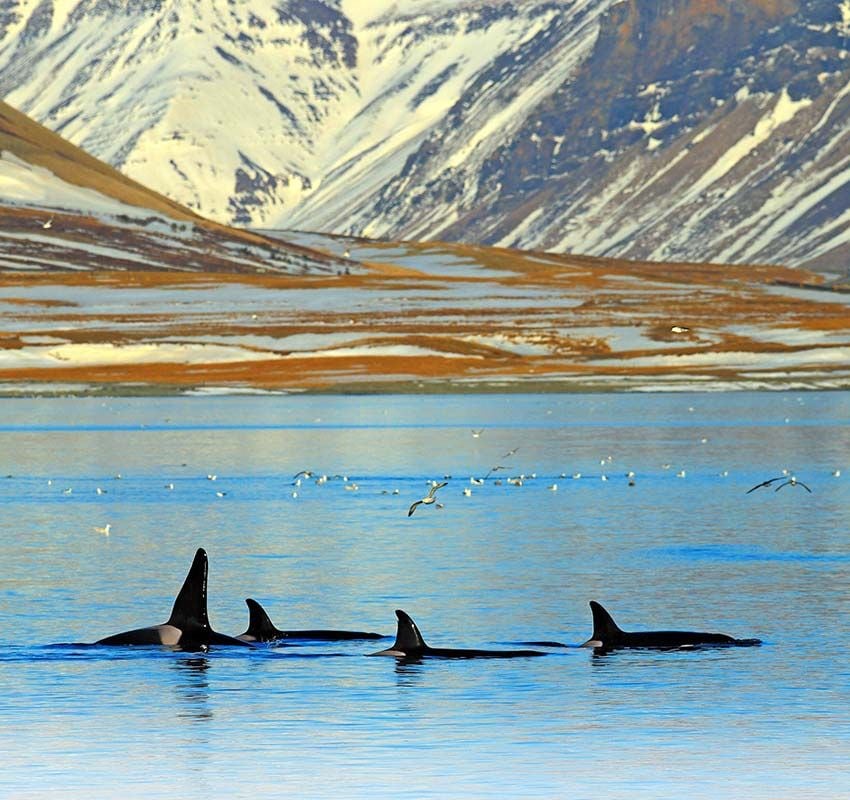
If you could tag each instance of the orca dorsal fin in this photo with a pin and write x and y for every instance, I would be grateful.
(605, 630)
(259, 624)
(190, 606)
(408, 639)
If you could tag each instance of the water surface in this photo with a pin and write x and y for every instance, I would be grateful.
(507, 564)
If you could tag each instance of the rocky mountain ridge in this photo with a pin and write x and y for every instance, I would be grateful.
(664, 130)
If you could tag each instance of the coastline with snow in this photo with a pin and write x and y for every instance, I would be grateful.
(424, 318)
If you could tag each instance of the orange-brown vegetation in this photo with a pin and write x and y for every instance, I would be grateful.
(534, 319)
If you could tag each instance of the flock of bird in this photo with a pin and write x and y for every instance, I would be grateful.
(778, 482)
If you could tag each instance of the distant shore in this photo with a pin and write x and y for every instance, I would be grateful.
(425, 319)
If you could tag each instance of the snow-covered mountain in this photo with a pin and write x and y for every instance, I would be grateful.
(657, 129)
(62, 209)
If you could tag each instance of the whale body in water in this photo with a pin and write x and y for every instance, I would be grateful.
(607, 635)
(409, 644)
(188, 627)
(262, 629)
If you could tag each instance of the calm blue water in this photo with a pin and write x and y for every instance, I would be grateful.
(506, 564)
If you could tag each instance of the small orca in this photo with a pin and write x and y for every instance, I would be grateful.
(410, 645)
(608, 636)
(262, 629)
(188, 627)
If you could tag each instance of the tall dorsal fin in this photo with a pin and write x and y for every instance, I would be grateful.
(408, 639)
(604, 628)
(259, 624)
(190, 606)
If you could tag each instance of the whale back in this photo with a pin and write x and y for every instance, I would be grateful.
(260, 626)
(605, 630)
(190, 606)
(408, 638)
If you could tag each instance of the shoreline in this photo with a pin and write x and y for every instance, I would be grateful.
(425, 319)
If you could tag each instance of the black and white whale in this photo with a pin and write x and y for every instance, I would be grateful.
(188, 627)
(608, 636)
(410, 645)
(262, 629)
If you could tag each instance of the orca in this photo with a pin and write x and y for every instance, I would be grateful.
(262, 629)
(410, 645)
(608, 636)
(188, 627)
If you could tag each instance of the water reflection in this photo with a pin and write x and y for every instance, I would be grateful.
(408, 671)
(193, 689)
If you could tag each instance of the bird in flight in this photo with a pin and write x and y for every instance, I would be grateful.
(787, 481)
(792, 481)
(428, 499)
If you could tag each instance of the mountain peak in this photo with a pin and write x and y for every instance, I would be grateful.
(540, 123)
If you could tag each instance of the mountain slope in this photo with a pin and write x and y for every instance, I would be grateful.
(670, 129)
(62, 209)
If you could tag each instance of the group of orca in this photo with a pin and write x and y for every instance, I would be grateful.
(188, 628)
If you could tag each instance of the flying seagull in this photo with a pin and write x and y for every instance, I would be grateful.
(428, 499)
(792, 480)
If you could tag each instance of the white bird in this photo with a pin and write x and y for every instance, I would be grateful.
(467, 492)
(680, 474)
(351, 487)
(476, 434)
(169, 486)
(100, 491)
(553, 487)
(104, 530)
(836, 473)
(221, 494)
(47, 224)
(212, 477)
(429, 498)
(476, 481)
(679, 329)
